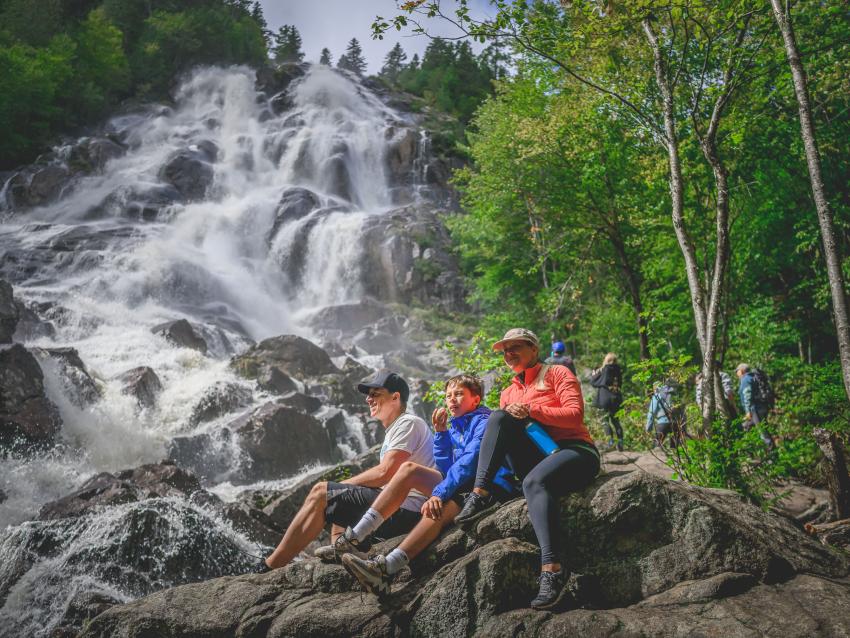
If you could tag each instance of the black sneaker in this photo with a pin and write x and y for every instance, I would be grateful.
(474, 507)
(261, 567)
(551, 590)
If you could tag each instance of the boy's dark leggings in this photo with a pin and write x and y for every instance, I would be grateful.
(545, 478)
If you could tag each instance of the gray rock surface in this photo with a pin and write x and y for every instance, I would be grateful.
(77, 383)
(182, 334)
(9, 313)
(28, 419)
(218, 400)
(190, 170)
(143, 384)
(650, 557)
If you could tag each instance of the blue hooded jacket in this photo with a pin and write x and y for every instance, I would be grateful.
(456, 454)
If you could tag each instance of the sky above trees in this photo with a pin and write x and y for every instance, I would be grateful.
(332, 23)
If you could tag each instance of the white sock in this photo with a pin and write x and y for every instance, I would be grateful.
(371, 521)
(396, 560)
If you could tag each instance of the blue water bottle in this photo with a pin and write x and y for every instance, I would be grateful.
(541, 438)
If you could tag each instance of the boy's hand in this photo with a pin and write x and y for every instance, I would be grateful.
(433, 508)
(439, 419)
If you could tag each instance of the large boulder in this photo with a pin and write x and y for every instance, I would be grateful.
(292, 355)
(156, 480)
(142, 383)
(280, 440)
(9, 313)
(651, 557)
(28, 419)
(90, 154)
(218, 400)
(190, 170)
(401, 153)
(295, 203)
(181, 334)
(77, 383)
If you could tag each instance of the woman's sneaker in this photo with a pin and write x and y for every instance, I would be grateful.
(551, 590)
(474, 507)
(370, 573)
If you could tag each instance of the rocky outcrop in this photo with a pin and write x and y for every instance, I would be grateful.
(181, 334)
(190, 170)
(77, 383)
(218, 400)
(143, 384)
(280, 440)
(9, 313)
(650, 557)
(295, 203)
(28, 419)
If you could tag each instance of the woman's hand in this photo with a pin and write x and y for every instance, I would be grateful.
(433, 508)
(518, 410)
(439, 418)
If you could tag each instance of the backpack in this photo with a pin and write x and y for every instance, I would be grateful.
(763, 394)
(668, 404)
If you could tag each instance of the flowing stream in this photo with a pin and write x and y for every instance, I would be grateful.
(273, 237)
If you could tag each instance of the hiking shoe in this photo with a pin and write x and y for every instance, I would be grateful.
(344, 544)
(370, 573)
(620, 445)
(551, 590)
(261, 567)
(474, 507)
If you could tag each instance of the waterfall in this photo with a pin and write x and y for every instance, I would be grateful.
(226, 209)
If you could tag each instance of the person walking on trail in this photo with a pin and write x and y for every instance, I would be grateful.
(545, 400)
(725, 384)
(608, 381)
(756, 400)
(559, 357)
(408, 441)
(459, 429)
(664, 416)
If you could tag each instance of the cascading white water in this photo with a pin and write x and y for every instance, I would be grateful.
(226, 261)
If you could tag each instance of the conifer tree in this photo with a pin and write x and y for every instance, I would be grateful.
(352, 59)
(325, 57)
(260, 19)
(287, 45)
(393, 64)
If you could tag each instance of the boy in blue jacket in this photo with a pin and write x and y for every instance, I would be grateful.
(457, 441)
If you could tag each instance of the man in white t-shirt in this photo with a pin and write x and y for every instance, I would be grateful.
(408, 441)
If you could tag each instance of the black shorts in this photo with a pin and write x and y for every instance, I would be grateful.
(348, 503)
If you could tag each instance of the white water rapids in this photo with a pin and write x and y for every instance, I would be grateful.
(223, 262)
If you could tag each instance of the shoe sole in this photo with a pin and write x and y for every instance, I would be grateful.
(547, 606)
(381, 589)
(467, 523)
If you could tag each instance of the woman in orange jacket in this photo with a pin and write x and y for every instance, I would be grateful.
(555, 402)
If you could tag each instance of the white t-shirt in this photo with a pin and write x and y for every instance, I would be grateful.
(411, 434)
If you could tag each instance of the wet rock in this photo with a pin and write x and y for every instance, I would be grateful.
(294, 204)
(190, 171)
(91, 154)
(147, 204)
(77, 383)
(349, 317)
(219, 400)
(276, 381)
(715, 551)
(9, 313)
(28, 419)
(292, 355)
(302, 402)
(212, 457)
(81, 608)
(256, 525)
(143, 384)
(3, 496)
(277, 79)
(181, 334)
(30, 324)
(400, 155)
(280, 440)
(156, 480)
(46, 184)
(337, 178)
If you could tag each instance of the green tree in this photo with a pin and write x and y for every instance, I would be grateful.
(287, 45)
(353, 60)
(325, 57)
(102, 71)
(393, 64)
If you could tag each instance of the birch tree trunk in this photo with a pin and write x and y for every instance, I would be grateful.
(827, 229)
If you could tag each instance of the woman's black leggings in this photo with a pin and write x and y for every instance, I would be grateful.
(612, 420)
(545, 478)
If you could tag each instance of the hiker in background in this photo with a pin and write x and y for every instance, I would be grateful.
(664, 415)
(608, 381)
(725, 383)
(560, 358)
(757, 399)
(542, 408)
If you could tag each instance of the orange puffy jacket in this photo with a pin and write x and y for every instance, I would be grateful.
(557, 403)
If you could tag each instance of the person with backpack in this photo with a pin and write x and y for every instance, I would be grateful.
(608, 381)
(560, 358)
(757, 399)
(664, 416)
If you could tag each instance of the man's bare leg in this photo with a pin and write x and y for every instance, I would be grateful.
(410, 476)
(427, 530)
(304, 528)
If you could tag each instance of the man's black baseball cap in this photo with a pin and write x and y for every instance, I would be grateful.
(387, 380)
